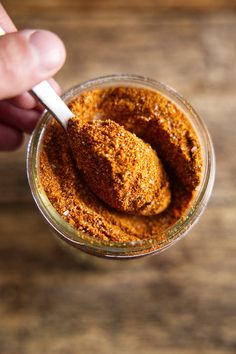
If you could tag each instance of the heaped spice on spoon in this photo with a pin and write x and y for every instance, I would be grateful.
(100, 198)
(119, 167)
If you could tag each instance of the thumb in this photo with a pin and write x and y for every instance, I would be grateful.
(26, 58)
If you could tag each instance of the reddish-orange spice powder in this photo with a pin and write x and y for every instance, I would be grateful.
(152, 118)
(119, 167)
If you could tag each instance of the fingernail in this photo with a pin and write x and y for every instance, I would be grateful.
(47, 47)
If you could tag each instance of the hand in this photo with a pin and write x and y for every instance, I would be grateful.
(26, 58)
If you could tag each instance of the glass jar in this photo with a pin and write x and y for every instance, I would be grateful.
(83, 242)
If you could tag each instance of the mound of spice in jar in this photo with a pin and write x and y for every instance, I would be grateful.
(139, 164)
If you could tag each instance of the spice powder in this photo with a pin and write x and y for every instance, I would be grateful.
(119, 167)
(149, 116)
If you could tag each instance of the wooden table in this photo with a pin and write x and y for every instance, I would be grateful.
(182, 301)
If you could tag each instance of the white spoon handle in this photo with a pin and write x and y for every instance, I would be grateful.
(49, 98)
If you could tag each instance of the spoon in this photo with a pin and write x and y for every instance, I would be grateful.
(50, 99)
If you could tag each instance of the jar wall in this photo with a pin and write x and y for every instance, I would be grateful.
(133, 249)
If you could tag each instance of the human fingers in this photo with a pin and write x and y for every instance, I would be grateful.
(10, 138)
(18, 118)
(27, 101)
(28, 57)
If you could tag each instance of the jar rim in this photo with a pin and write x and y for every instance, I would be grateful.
(134, 248)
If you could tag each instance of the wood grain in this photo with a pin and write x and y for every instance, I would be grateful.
(182, 301)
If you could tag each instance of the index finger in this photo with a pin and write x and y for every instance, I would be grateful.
(5, 21)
